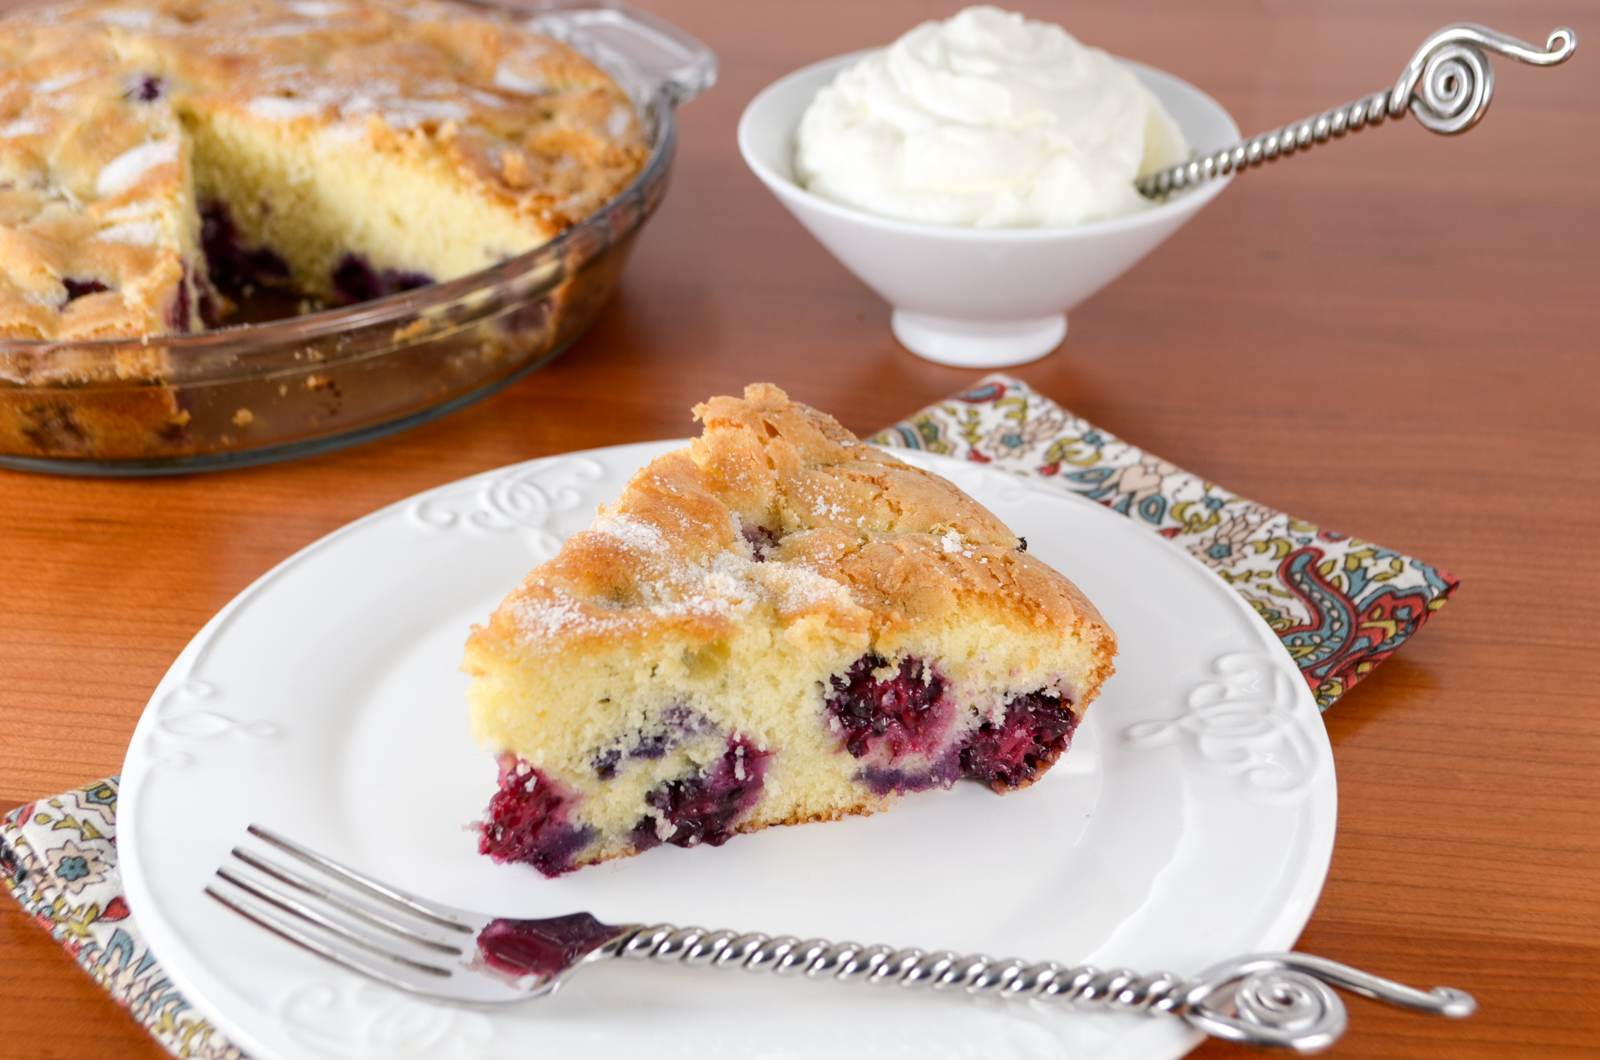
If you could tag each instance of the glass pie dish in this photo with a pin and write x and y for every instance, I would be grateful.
(258, 392)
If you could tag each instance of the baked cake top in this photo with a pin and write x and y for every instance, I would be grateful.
(95, 97)
(778, 506)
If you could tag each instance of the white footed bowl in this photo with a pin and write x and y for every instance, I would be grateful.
(975, 297)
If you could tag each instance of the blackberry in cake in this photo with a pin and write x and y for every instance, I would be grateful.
(154, 150)
(776, 624)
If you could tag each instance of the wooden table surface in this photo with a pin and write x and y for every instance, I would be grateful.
(1394, 336)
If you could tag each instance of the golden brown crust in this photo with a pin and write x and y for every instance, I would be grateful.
(866, 541)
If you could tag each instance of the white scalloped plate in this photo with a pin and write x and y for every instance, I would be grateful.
(1191, 821)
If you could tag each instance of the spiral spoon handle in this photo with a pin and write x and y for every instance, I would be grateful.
(1448, 85)
(1275, 999)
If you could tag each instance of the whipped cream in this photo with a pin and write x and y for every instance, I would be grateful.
(988, 120)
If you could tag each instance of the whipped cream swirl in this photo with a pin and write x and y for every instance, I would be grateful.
(986, 120)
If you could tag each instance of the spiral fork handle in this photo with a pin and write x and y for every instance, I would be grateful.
(1447, 85)
(1281, 999)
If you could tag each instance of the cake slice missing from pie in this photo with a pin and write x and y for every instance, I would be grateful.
(776, 624)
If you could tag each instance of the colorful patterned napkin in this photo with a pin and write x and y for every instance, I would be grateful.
(1340, 606)
(59, 858)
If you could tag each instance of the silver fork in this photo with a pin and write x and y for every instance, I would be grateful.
(439, 951)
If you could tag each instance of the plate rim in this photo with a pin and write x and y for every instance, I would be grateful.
(1279, 935)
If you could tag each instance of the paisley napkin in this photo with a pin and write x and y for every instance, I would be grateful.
(1340, 605)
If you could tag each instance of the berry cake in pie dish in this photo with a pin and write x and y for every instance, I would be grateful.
(154, 150)
(774, 625)
(165, 162)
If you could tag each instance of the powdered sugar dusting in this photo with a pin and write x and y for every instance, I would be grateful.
(562, 615)
(618, 122)
(282, 108)
(344, 132)
(406, 113)
(552, 616)
(952, 543)
(128, 19)
(523, 84)
(726, 587)
(132, 211)
(132, 233)
(56, 84)
(128, 168)
(634, 533)
(797, 588)
(21, 127)
(824, 507)
(314, 8)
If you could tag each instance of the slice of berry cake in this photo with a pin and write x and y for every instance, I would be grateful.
(773, 625)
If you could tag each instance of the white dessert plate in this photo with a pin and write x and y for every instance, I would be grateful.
(1191, 821)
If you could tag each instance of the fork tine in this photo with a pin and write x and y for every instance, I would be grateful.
(350, 959)
(301, 911)
(440, 915)
(366, 915)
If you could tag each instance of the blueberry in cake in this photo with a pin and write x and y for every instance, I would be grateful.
(153, 152)
(776, 624)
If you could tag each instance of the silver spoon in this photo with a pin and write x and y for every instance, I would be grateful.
(1447, 84)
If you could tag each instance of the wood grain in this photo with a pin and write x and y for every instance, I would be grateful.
(1394, 336)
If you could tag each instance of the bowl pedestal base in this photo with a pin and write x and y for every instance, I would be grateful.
(978, 343)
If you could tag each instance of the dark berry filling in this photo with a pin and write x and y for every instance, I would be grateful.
(234, 266)
(52, 428)
(530, 316)
(889, 780)
(678, 724)
(76, 289)
(705, 806)
(180, 312)
(605, 763)
(902, 712)
(528, 821)
(145, 89)
(1034, 732)
(209, 306)
(761, 540)
(541, 947)
(356, 279)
